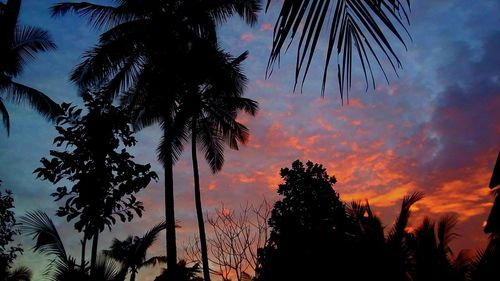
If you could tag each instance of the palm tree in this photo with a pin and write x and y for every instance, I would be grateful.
(212, 112)
(399, 254)
(358, 28)
(64, 267)
(131, 252)
(18, 46)
(144, 51)
(433, 257)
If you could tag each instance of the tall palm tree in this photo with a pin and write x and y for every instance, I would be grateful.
(144, 51)
(131, 252)
(18, 46)
(361, 28)
(212, 115)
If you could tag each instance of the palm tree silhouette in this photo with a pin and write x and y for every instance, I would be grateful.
(433, 257)
(398, 252)
(358, 28)
(64, 267)
(144, 52)
(131, 252)
(212, 112)
(18, 46)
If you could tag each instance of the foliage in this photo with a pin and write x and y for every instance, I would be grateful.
(309, 236)
(63, 267)
(148, 52)
(359, 28)
(182, 272)
(8, 229)
(18, 46)
(131, 252)
(104, 179)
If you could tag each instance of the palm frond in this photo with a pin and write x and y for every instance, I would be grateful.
(358, 28)
(150, 237)
(30, 41)
(40, 226)
(398, 230)
(5, 116)
(105, 269)
(18, 93)
(19, 274)
(154, 261)
(172, 142)
(212, 144)
(445, 232)
(98, 16)
(102, 62)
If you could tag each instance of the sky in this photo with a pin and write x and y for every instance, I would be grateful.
(435, 128)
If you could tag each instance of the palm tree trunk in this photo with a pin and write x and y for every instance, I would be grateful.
(169, 206)
(199, 211)
(93, 256)
(84, 245)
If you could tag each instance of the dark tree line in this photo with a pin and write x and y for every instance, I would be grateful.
(316, 236)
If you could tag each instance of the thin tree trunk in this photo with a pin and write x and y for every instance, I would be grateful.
(199, 211)
(84, 245)
(93, 257)
(169, 206)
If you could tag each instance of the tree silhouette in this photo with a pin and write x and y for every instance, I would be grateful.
(485, 265)
(433, 257)
(399, 254)
(131, 252)
(18, 46)
(64, 267)
(182, 272)
(8, 229)
(359, 28)
(309, 228)
(235, 237)
(145, 51)
(212, 113)
(105, 179)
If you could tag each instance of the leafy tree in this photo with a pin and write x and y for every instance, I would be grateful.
(309, 237)
(359, 28)
(18, 46)
(131, 252)
(104, 178)
(146, 50)
(64, 267)
(8, 229)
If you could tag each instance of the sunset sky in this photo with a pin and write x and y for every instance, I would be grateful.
(435, 128)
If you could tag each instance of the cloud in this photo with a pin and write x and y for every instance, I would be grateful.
(266, 26)
(247, 37)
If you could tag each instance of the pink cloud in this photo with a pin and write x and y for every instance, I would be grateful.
(247, 37)
(266, 26)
